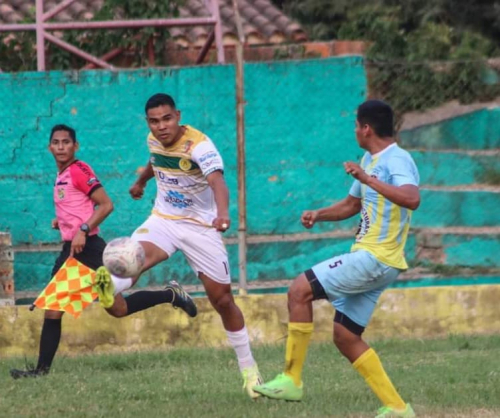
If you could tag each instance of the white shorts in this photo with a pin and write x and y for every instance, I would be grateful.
(202, 245)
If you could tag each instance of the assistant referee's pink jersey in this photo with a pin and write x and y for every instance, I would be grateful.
(72, 191)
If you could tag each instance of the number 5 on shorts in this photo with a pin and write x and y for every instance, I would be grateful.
(336, 264)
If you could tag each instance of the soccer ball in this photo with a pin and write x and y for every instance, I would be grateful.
(124, 257)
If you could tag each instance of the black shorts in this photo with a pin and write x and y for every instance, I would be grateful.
(91, 255)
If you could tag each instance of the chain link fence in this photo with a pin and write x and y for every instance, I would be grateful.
(448, 117)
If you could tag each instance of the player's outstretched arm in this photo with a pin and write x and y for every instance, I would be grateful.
(137, 189)
(104, 206)
(339, 211)
(406, 196)
(221, 195)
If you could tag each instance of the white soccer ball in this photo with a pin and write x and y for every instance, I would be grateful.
(124, 257)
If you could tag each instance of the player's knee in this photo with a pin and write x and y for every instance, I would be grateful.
(299, 291)
(344, 339)
(224, 302)
(295, 296)
(53, 314)
(341, 342)
(117, 313)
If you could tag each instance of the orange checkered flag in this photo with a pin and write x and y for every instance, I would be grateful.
(70, 290)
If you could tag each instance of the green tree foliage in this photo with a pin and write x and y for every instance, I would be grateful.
(321, 18)
(380, 26)
(421, 53)
(18, 52)
(324, 18)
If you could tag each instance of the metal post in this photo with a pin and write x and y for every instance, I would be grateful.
(59, 8)
(151, 52)
(40, 39)
(240, 123)
(106, 57)
(218, 31)
(206, 47)
(78, 52)
(41, 26)
(137, 23)
(18, 27)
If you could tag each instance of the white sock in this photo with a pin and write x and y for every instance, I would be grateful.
(121, 284)
(241, 344)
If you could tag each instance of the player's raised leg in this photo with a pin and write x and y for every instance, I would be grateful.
(221, 298)
(110, 287)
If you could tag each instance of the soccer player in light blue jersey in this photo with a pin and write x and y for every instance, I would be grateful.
(384, 192)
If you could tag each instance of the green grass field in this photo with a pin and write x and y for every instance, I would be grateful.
(453, 377)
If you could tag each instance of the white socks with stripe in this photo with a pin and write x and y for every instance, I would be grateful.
(241, 343)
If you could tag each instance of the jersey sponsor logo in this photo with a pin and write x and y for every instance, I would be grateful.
(208, 155)
(184, 164)
(91, 181)
(375, 172)
(61, 193)
(168, 180)
(207, 164)
(364, 225)
(142, 231)
(152, 160)
(178, 200)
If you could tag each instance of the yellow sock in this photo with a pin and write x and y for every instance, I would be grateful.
(299, 334)
(370, 367)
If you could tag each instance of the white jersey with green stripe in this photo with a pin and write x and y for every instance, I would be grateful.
(181, 172)
(384, 226)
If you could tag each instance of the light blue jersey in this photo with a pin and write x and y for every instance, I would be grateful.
(384, 226)
(353, 282)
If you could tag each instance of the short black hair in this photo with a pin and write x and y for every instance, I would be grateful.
(378, 115)
(65, 128)
(159, 99)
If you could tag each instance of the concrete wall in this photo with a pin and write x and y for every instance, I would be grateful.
(424, 312)
(477, 130)
(300, 119)
(299, 130)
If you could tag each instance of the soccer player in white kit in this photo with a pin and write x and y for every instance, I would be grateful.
(189, 214)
